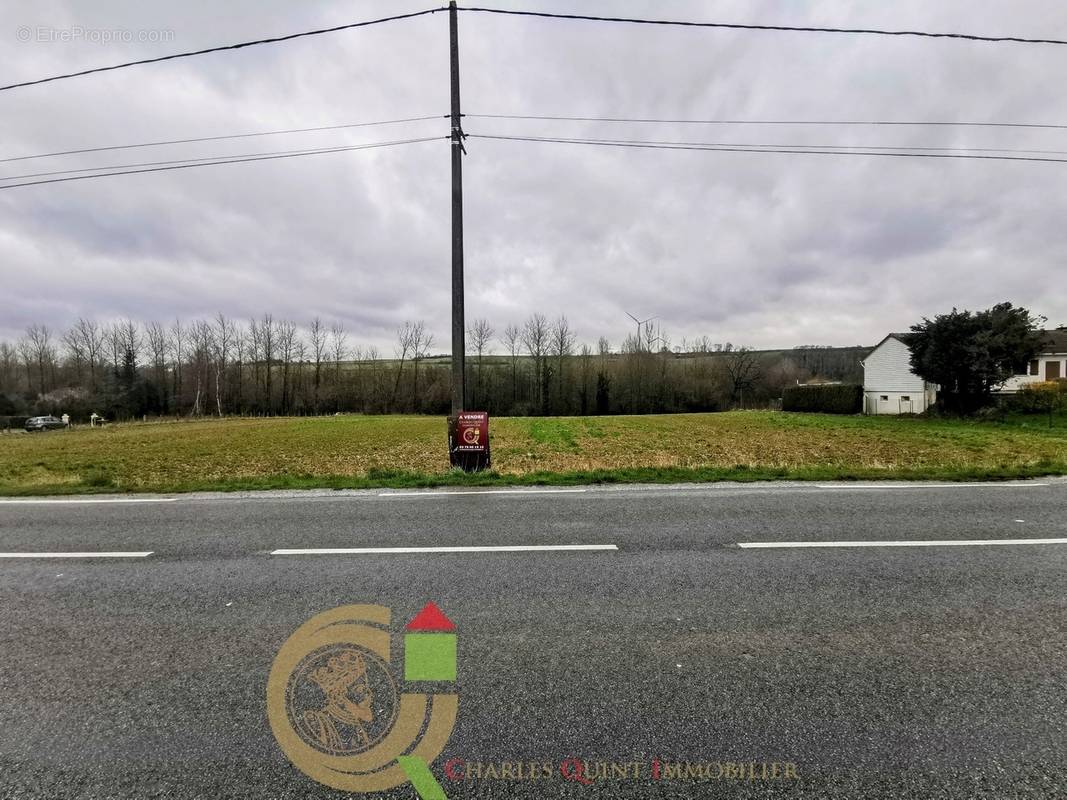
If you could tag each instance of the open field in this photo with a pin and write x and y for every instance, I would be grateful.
(355, 451)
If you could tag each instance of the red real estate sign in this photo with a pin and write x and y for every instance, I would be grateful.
(472, 432)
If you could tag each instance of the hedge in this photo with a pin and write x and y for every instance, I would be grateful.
(840, 398)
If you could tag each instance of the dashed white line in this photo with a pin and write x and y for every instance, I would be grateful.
(510, 548)
(904, 543)
(84, 501)
(987, 484)
(111, 554)
(431, 493)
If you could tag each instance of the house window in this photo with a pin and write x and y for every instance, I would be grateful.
(906, 397)
(883, 397)
(1033, 367)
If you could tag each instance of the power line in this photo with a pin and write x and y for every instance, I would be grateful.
(237, 46)
(220, 138)
(301, 151)
(795, 150)
(557, 118)
(752, 27)
(857, 147)
(541, 14)
(238, 160)
(748, 147)
(668, 121)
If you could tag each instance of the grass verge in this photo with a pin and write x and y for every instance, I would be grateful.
(354, 452)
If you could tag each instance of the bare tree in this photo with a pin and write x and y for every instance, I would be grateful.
(157, 350)
(300, 354)
(318, 352)
(512, 340)
(286, 344)
(535, 340)
(240, 346)
(76, 352)
(562, 343)
(339, 349)
(421, 342)
(132, 342)
(255, 339)
(223, 341)
(178, 336)
(25, 355)
(586, 362)
(91, 341)
(9, 366)
(404, 339)
(267, 343)
(39, 339)
(379, 377)
(480, 335)
(743, 370)
(114, 342)
(202, 337)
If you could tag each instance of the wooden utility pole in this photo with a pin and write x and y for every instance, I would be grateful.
(468, 431)
(459, 375)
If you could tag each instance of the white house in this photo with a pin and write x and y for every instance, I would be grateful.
(889, 385)
(1048, 365)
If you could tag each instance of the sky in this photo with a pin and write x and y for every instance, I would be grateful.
(757, 249)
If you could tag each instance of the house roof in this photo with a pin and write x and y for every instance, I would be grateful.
(1055, 341)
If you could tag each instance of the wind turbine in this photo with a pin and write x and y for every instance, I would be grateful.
(639, 322)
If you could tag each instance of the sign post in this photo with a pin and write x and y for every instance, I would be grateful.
(468, 440)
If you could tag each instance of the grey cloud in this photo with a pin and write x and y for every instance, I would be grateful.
(761, 249)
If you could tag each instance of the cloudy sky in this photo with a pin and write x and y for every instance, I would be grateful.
(757, 249)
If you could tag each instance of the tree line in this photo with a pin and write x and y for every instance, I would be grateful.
(273, 366)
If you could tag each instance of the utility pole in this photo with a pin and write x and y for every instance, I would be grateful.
(459, 375)
(468, 431)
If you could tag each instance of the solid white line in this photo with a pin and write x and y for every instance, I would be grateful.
(989, 485)
(905, 543)
(114, 554)
(77, 501)
(511, 548)
(431, 493)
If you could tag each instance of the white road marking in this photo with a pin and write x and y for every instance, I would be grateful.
(904, 543)
(510, 548)
(431, 493)
(112, 554)
(85, 501)
(988, 484)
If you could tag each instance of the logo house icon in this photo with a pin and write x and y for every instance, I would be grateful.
(341, 716)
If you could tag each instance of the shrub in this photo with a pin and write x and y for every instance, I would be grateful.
(840, 398)
(1046, 397)
(98, 478)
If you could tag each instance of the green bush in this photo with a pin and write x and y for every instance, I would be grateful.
(840, 398)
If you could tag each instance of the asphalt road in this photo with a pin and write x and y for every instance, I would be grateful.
(879, 671)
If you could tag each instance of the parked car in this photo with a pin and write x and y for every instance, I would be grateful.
(43, 423)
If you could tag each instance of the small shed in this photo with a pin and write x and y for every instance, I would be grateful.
(889, 385)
